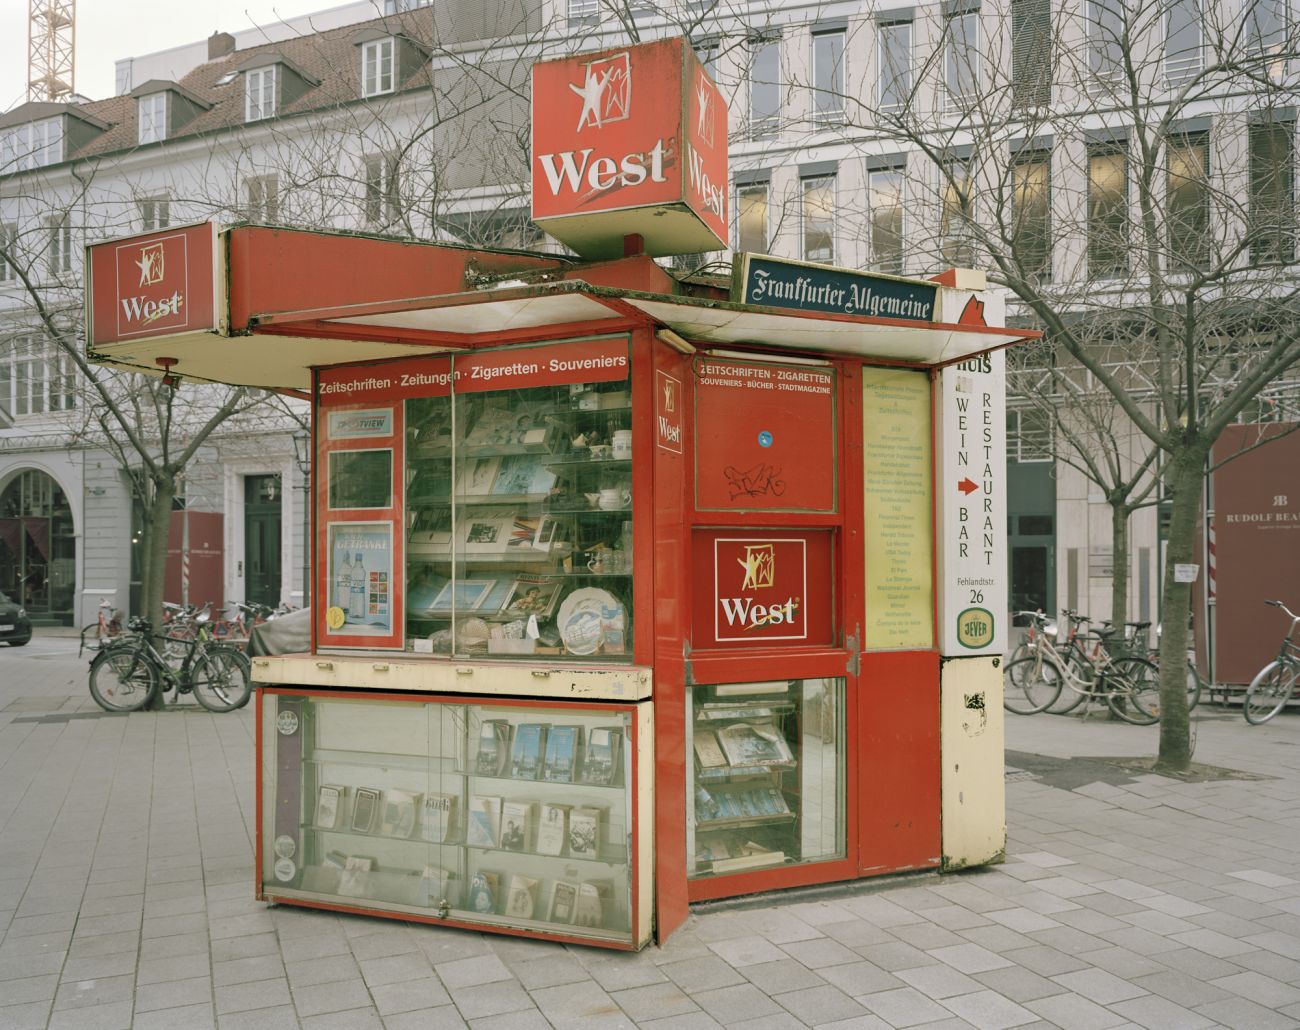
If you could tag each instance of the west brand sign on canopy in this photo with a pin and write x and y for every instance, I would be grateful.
(153, 285)
(791, 284)
(640, 131)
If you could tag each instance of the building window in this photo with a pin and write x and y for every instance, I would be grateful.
(263, 203)
(1182, 40)
(151, 116)
(58, 254)
(1108, 222)
(155, 213)
(706, 50)
(885, 197)
(752, 212)
(584, 12)
(259, 93)
(961, 56)
(1107, 40)
(377, 67)
(34, 377)
(895, 86)
(818, 211)
(828, 75)
(1031, 53)
(765, 87)
(956, 211)
(1272, 192)
(504, 227)
(1267, 25)
(1031, 214)
(1187, 200)
(1029, 435)
(33, 145)
(383, 204)
(8, 241)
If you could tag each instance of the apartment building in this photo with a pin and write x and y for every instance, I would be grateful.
(904, 139)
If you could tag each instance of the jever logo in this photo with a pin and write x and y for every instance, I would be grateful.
(975, 627)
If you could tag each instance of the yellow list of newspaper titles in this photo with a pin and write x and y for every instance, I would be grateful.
(898, 531)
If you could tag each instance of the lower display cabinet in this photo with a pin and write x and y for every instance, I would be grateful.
(526, 817)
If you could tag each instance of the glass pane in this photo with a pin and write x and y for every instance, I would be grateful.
(962, 57)
(361, 479)
(765, 86)
(885, 189)
(766, 787)
(895, 65)
(751, 235)
(819, 219)
(828, 74)
(1031, 213)
(1107, 213)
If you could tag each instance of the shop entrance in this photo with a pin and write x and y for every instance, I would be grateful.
(37, 547)
(262, 539)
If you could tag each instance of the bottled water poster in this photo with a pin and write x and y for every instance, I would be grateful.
(360, 579)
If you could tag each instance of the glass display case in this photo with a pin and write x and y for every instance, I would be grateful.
(516, 815)
(767, 784)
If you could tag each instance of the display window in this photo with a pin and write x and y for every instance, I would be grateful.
(514, 503)
(510, 815)
(766, 783)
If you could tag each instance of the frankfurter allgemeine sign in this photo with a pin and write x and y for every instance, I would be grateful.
(771, 282)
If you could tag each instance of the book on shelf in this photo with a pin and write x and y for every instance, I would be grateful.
(564, 902)
(483, 828)
(728, 712)
(400, 807)
(437, 886)
(600, 761)
(594, 897)
(526, 754)
(355, 881)
(521, 899)
(493, 747)
(748, 855)
(365, 809)
(483, 892)
(746, 689)
(552, 828)
(584, 833)
(516, 825)
(561, 753)
(328, 804)
(707, 750)
(754, 743)
(438, 817)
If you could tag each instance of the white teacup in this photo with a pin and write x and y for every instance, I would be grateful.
(614, 497)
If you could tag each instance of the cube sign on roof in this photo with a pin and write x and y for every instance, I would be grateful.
(630, 141)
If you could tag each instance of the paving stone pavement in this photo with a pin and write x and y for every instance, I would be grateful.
(1127, 900)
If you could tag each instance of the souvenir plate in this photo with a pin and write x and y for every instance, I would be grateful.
(589, 618)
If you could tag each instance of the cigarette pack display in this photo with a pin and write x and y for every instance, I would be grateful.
(600, 763)
(522, 897)
(365, 810)
(584, 833)
(484, 825)
(561, 753)
(526, 755)
(552, 829)
(400, 807)
(564, 902)
(493, 747)
(438, 818)
(328, 804)
(516, 825)
(355, 881)
(483, 891)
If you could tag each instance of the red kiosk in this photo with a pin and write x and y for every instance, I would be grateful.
(631, 589)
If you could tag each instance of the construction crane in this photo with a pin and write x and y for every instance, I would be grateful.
(51, 49)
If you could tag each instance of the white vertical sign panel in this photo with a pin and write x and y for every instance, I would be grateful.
(972, 498)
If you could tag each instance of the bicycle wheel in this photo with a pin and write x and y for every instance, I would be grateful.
(1070, 698)
(220, 679)
(1193, 685)
(1268, 692)
(1031, 684)
(1133, 686)
(122, 680)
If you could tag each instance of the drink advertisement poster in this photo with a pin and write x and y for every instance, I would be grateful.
(360, 601)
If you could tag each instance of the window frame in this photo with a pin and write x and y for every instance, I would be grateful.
(1105, 54)
(263, 203)
(155, 212)
(1283, 241)
(971, 54)
(807, 184)
(1094, 241)
(753, 187)
(1179, 69)
(1180, 244)
(372, 67)
(58, 253)
(768, 123)
(956, 248)
(828, 104)
(1025, 159)
(874, 259)
(151, 125)
(1031, 62)
(382, 184)
(904, 81)
(9, 239)
(260, 82)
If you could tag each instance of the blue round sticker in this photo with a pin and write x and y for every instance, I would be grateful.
(765, 439)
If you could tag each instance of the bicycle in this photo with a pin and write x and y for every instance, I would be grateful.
(107, 627)
(1274, 684)
(1129, 685)
(125, 676)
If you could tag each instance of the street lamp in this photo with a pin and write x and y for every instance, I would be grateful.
(302, 455)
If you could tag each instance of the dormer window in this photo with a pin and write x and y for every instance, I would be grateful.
(33, 145)
(151, 116)
(377, 67)
(259, 93)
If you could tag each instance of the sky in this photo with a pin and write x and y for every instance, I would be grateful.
(108, 30)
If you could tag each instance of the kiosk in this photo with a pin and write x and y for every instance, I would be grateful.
(631, 588)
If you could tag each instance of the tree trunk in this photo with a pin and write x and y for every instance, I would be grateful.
(1185, 480)
(1119, 518)
(157, 529)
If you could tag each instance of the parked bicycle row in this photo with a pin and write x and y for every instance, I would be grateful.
(1059, 666)
(183, 622)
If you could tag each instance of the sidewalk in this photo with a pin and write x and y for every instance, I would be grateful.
(1127, 900)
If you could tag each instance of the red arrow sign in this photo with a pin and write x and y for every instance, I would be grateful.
(967, 487)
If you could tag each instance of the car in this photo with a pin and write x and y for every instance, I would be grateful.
(15, 626)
